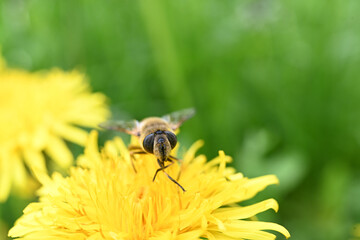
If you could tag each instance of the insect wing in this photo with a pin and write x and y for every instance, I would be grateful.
(129, 127)
(175, 119)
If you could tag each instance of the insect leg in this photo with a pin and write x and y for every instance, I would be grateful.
(162, 167)
(132, 153)
(179, 160)
(135, 147)
(174, 181)
(173, 158)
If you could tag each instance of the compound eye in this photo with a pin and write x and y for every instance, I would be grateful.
(172, 138)
(148, 143)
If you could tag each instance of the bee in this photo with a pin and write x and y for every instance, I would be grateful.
(156, 136)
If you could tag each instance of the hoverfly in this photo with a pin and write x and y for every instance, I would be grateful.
(156, 136)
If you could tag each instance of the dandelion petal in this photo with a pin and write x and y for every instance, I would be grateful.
(58, 151)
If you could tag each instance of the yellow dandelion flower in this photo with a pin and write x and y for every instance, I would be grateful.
(37, 112)
(356, 231)
(103, 198)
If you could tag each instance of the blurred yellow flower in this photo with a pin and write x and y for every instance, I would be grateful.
(356, 231)
(103, 198)
(37, 112)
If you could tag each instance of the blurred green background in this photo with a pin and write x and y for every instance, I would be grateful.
(276, 85)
